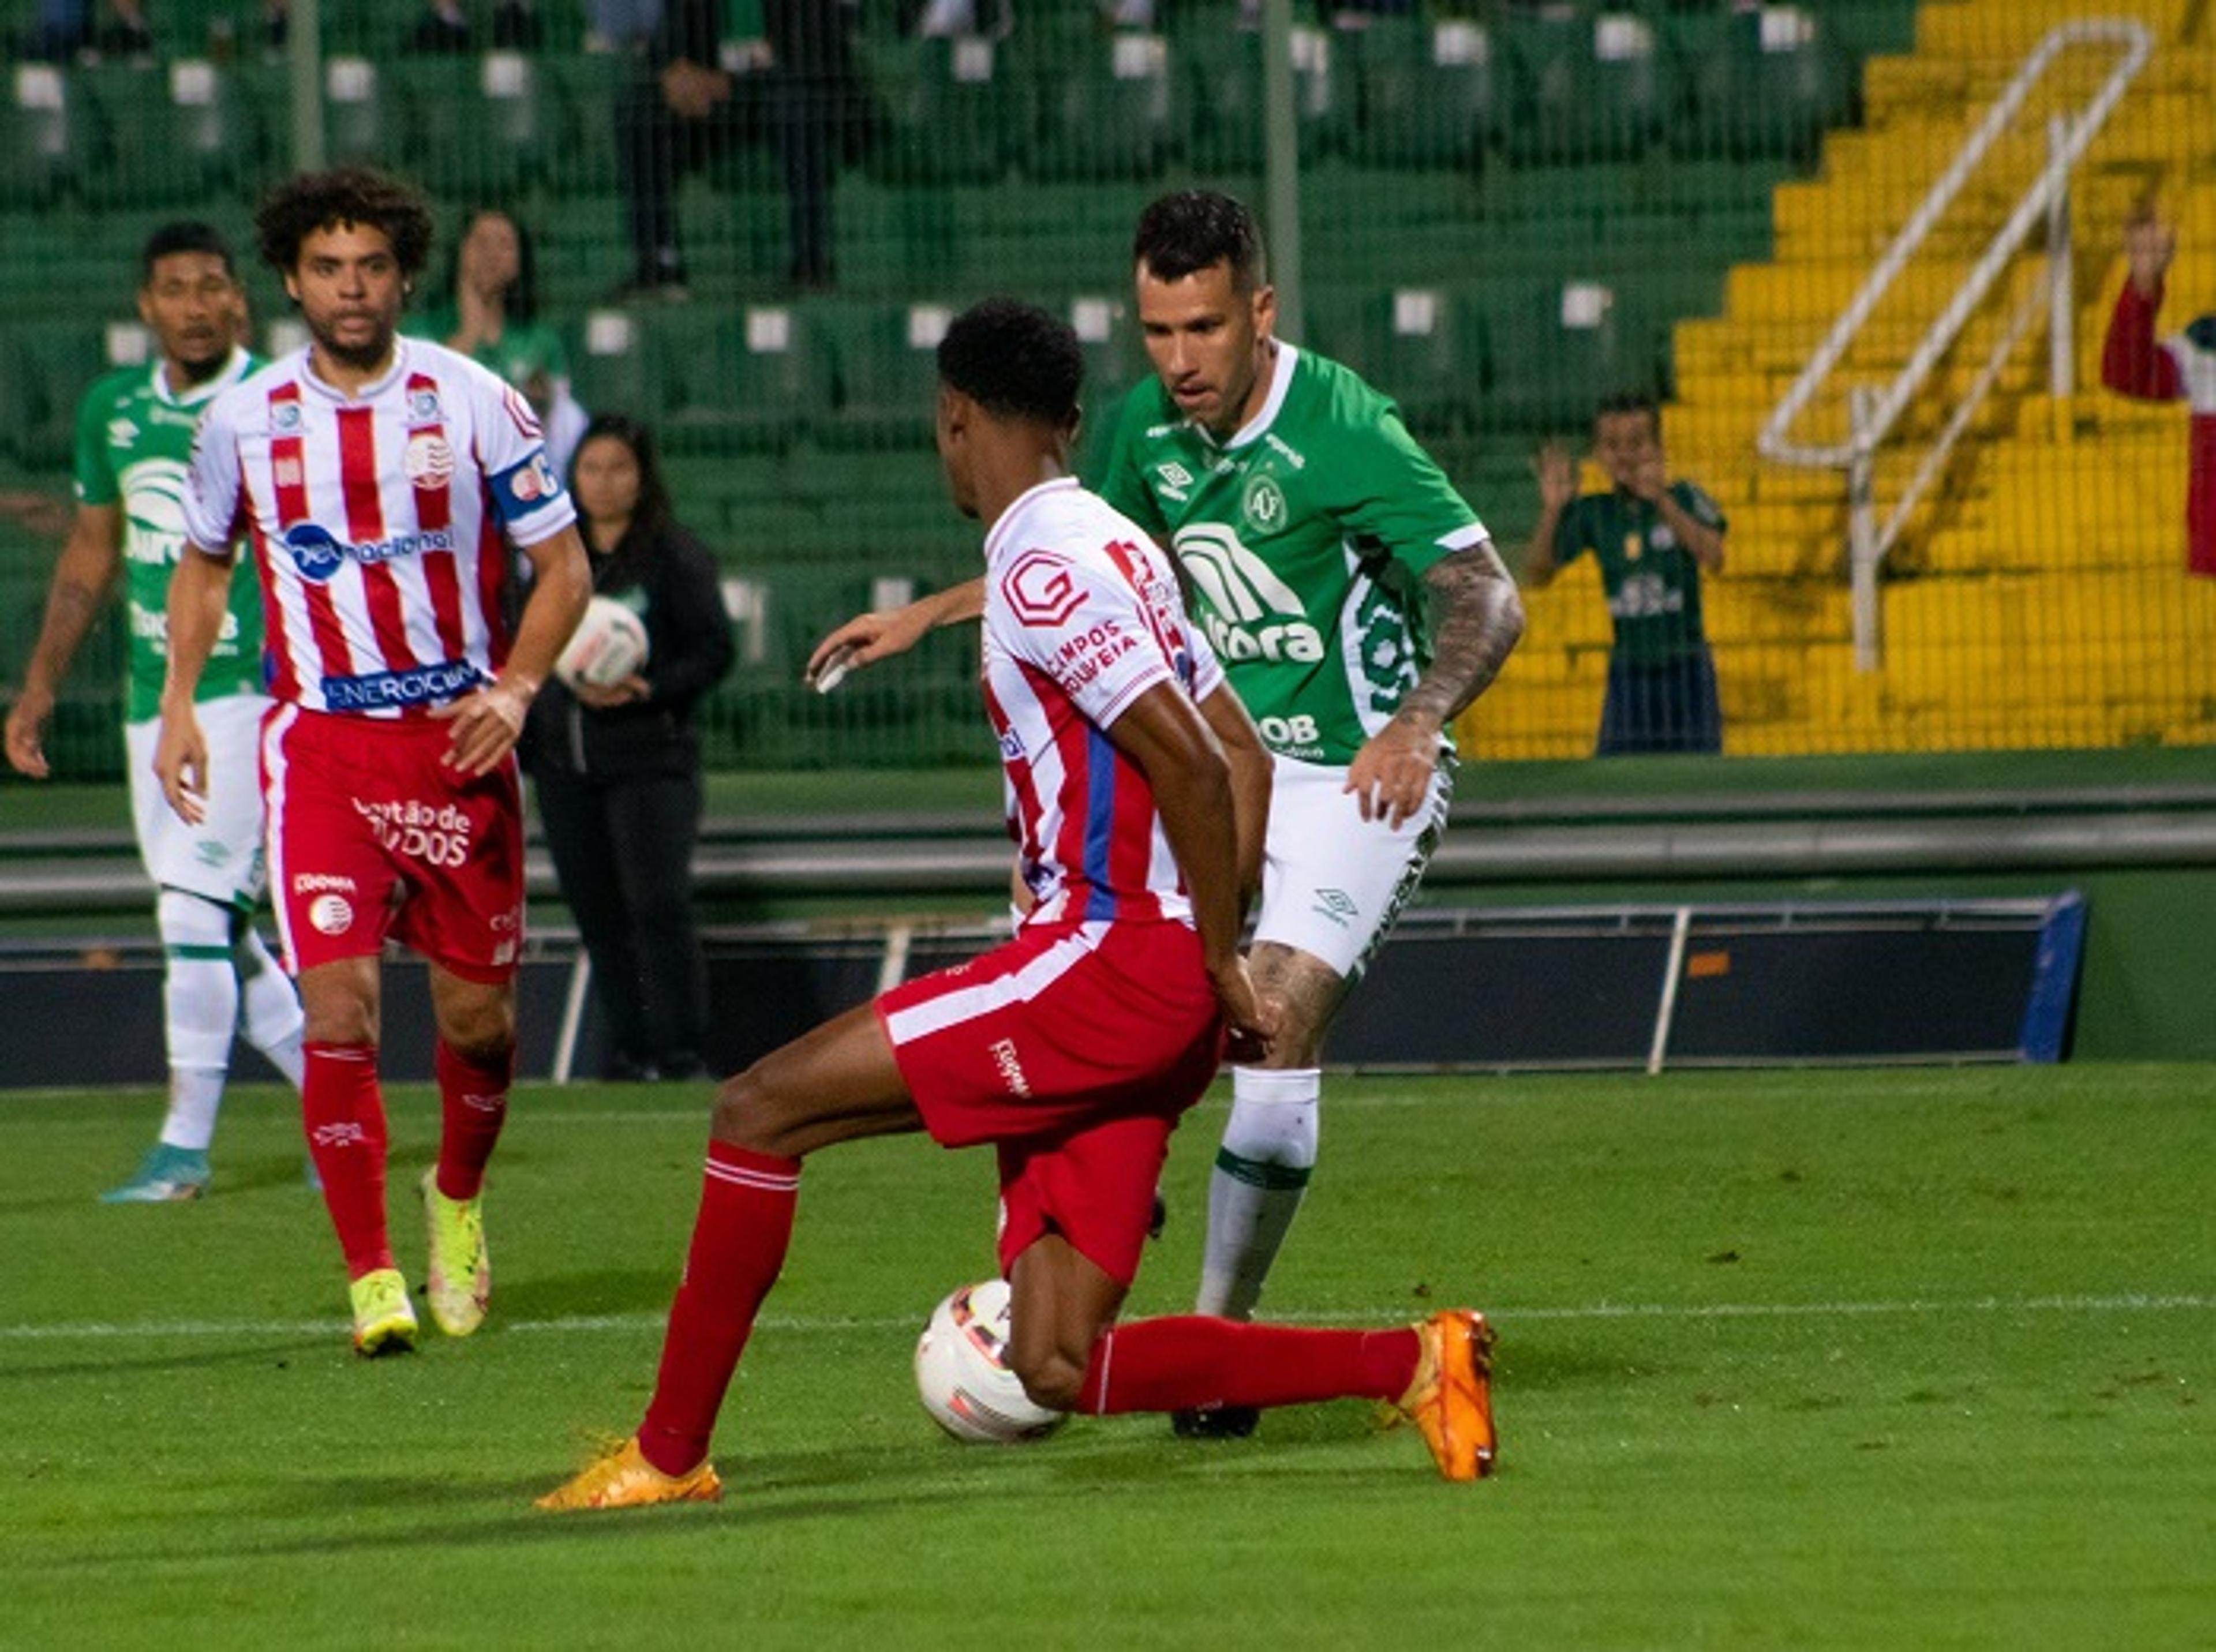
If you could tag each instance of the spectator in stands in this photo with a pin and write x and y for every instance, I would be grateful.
(811, 73)
(1654, 538)
(441, 28)
(2133, 363)
(491, 313)
(61, 28)
(618, 770)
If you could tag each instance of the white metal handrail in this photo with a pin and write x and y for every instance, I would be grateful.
(1871, 414)
(2139, 44)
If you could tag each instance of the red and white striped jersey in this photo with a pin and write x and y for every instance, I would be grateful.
(1082, 616)
(376, 522)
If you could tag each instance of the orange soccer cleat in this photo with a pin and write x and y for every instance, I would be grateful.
(1451, 1398)
(625, 1479)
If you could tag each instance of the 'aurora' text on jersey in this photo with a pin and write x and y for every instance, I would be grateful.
(1304, 540)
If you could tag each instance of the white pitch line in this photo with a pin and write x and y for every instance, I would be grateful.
(625, 1323)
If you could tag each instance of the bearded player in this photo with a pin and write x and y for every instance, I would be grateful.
(376, 477)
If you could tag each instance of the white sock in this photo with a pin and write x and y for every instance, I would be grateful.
(1261, 1176)
(274, 1020)
(200, 1005)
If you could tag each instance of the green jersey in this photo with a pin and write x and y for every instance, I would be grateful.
(1653, 584)
(527, 355)
(134, 448)
(1304, 540)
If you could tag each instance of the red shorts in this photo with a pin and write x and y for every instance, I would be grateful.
(371, 835)
(1075, 1047)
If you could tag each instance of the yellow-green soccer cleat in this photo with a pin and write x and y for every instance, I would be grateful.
(166, 1176)
(1451, 1398)
(625, 1479)
(384, 1323)
(459, 1275)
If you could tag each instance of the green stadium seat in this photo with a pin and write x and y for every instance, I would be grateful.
(45, 370)
(887, 367)
(1109, 113)
(582, 88)
(1759, 84)
(362, 117)
(616, 368)
(750, 383)
(953, 112)
(476, 128)
(1220, 67)
(1424, 346)
(1592, 86)
(47, 134)
(1555, 349)
(1431, 96)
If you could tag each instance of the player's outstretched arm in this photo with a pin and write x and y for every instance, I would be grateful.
(84, 575)
(867, 638)
(488, 723)
(199, 591)
(1165, 735)
(1476, 618)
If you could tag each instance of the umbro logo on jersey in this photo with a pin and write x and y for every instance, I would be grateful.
(1040, 590)
(423, 408)
(285, 419)
(121, 433)
(1175, 480)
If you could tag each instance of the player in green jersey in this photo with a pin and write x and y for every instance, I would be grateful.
(134, 438)
(1654, 538)
(1358, 605)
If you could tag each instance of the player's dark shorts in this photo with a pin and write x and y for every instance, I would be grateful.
(371, 835)
(1075, 1047)
(1671, 707)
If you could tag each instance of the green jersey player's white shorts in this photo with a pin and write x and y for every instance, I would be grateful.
(221, 858)
(1332, 881)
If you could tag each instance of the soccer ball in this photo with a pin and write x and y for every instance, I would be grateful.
(959, 1374)
(608, 645)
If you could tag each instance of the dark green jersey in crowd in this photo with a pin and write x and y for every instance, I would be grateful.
(1653, 584)
(134, 448)
(1304, 540)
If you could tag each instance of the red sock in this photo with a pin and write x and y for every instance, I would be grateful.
(1178, 1364)
(472, 1106)
(739, 1240)
(344, 1113)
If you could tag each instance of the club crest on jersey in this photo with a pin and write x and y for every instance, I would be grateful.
(1264, 504)
(1040, 590)
(428, 460)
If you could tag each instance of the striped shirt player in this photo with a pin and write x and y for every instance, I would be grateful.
(376, 524)
(1098, 1007)
(2181, 367)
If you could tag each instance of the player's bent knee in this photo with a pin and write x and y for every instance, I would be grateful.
(747, 1116)
(1052, 1379)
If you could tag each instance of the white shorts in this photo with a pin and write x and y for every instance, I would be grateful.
(220, 858)
(1332, 881)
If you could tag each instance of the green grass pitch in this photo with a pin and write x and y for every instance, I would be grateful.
(1894, 1358)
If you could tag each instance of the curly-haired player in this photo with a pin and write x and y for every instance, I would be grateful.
(375, 476)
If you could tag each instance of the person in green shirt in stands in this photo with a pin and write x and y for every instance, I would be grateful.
(1654, 538)
(491, 314)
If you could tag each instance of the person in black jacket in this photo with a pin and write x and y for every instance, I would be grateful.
(617, 769)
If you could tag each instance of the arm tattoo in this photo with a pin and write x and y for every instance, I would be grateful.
(1476, 618)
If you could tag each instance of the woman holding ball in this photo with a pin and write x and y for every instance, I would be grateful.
(617, 765)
